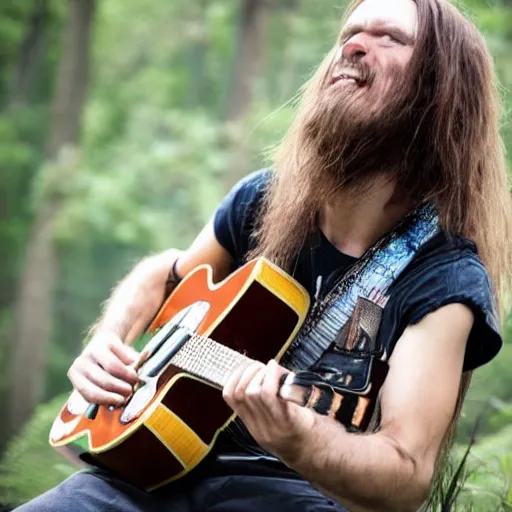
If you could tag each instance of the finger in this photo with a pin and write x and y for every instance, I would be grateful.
(254, 387)
(113, 365)
(143, 357)
(110, 339)
(255, 373)
(231, 384)
(234, 382)
(253, 405)
(93, 393)
(104, 380)
(128, 355)
(244, 399)
(292, 392)
(269, 390)
(272, 380)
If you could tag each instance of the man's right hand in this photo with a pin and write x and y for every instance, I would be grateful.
(102, 373)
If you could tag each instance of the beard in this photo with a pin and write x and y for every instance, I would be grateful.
(343, 136)
(355, 130)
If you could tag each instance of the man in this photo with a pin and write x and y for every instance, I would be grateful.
(402, 113)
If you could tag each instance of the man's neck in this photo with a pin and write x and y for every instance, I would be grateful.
(354, 223)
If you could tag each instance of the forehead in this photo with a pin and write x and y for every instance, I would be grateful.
(402, 13)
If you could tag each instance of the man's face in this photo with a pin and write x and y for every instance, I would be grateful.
(375, 46)
(362, 107)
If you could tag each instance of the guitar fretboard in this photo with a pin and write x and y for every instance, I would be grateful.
(209, 360)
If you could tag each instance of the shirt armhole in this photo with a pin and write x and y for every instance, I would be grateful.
(464, 281)
(231, 215)
(484, 341)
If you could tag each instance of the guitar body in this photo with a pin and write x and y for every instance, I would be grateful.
(169, 430)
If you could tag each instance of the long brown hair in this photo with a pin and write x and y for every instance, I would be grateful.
(454, 155)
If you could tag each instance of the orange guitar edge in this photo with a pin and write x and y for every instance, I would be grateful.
(256, 311)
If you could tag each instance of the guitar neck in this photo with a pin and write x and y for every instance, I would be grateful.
(209, 360)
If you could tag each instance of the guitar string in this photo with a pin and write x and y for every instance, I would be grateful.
(208, 359)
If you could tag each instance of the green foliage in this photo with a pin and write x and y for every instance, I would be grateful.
(13, 16)
(155, 159)
(30, 466)
(489, 474)
(475, 480)
(489, 392)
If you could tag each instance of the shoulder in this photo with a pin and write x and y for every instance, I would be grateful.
(235, 217)
(447, 270)
(448, 261)
(251, 187)
(445, 266)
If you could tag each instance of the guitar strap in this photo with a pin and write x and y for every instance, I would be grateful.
(337, 347)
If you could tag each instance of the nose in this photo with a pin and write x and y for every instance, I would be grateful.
(355, 49)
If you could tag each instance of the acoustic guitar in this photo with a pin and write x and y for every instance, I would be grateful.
(203, 332)
(201, 335)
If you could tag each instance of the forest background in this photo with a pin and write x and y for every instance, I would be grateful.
(122, 125)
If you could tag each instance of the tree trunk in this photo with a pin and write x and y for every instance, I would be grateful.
(72, 78)
(35, 298)
(248, 62)
(286, 85)
(31, 53)
(198, 34)
(247, 69)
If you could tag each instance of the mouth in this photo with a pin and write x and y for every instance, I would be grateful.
(348, 76)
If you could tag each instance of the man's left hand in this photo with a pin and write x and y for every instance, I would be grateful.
(279, 426)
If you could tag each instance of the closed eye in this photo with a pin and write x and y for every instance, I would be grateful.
(393, 39)
(345, 37)
(394, 34)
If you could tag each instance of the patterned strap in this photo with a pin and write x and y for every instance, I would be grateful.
(370, 278)
(209, 360)
(307, 390)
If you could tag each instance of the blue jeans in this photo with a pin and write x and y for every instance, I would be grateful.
(248, 486)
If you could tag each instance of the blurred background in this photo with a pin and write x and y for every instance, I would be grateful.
(122, 125)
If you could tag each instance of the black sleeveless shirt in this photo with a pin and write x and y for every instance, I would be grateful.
(445, 270)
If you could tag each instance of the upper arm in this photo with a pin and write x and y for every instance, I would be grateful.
(420, 392)
(221, 243)
(225, 239)
(206, 249)
(154, 271)
(151, 274)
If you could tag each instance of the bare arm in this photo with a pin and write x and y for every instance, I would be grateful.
(392, 469)
(102, 373)
(138, 297)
